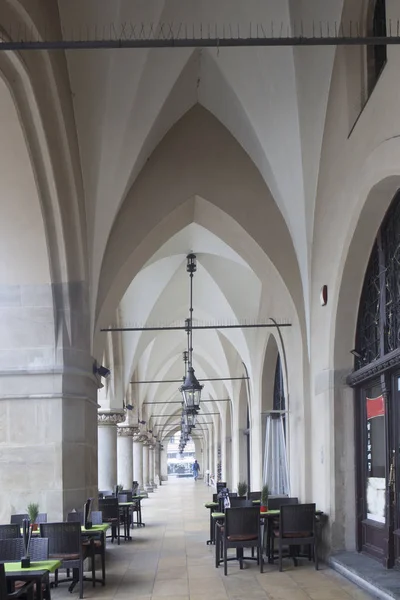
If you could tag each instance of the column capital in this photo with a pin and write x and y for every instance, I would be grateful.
(126, 431)
(110, 417)
(139, 437)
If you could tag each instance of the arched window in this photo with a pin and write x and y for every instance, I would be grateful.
(376, 55)
(378, 325)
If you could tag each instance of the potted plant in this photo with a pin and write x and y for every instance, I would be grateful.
(242, 488)
(33, 512)
(264, 498)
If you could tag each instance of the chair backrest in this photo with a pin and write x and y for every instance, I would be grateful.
(240, 502)
(41, 518)
(215, 498)
(129, 495)
(64, 538)
(254, 495)
(297, 519)
(123, 498)
(135, 488)
(19, 518)
(10, 531)
(242, 521)
(75, 517)
(39, 548)
(220, 485)
(276, 503)
(109, 508)
(106, 493)
(11, 549)
(97, 517)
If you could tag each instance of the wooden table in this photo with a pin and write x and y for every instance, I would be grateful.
(38, 573)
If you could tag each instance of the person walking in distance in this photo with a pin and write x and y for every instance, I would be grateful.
(196, 469)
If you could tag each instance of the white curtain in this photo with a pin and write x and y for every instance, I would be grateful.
(276, 472)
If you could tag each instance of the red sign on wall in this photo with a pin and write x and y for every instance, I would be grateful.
(375, 407)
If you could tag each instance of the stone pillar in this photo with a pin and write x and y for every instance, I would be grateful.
(138, 461)
(146, 480)
(125, 457)
(151, 465)
(107, 442)
(157, 477)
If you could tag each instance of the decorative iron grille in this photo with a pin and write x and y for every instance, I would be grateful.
(378, 324)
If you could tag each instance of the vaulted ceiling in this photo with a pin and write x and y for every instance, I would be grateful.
(273, 102)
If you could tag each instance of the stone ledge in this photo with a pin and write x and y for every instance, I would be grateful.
(367, 573)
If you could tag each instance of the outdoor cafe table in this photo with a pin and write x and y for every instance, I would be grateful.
(212, 506)
(126, 507)
(38, 573)
(97, 531)
(266, 518)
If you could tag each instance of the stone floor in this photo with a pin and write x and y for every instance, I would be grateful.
(169, 559)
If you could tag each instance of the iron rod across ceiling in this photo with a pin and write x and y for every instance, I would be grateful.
(180, 401)
(175, 416)
(212, 42)
(203, 327)
(180, 380)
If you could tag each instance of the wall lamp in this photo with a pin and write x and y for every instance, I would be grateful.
(142, 422)
(129, 406)
(100, 370)
(357, 354)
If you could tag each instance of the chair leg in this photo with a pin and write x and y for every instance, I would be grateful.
(261, 557)
(81, 580)
(217, 550)
(225, 559)
(103, 561)
(316, 554)
(93, 559)
(280, 556)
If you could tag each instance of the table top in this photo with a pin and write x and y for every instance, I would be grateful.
(40, 565)
(96, 528)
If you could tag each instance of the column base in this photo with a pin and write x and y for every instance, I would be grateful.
(149, 488)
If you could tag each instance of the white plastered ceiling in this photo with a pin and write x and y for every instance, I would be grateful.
(125, 103)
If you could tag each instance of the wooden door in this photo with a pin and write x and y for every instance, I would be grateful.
(374, 511)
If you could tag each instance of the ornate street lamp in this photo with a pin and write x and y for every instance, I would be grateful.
(191, 388)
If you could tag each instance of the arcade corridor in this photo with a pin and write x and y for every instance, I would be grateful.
(170, 559)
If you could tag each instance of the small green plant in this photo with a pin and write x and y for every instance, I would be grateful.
(120, 487)
(264, 495)
(242, 488)
(33, 511)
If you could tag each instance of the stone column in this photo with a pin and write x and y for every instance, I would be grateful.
(151, 465)
(107, 443)
(125, 457)
(146, 481)
(157, 478)
(138, 460)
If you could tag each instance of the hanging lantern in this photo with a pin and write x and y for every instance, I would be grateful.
(191, 391)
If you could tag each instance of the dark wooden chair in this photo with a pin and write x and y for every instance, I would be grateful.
(110, 509)
(65, 545)
(17, 519)
(297, 527)
(241, 530)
